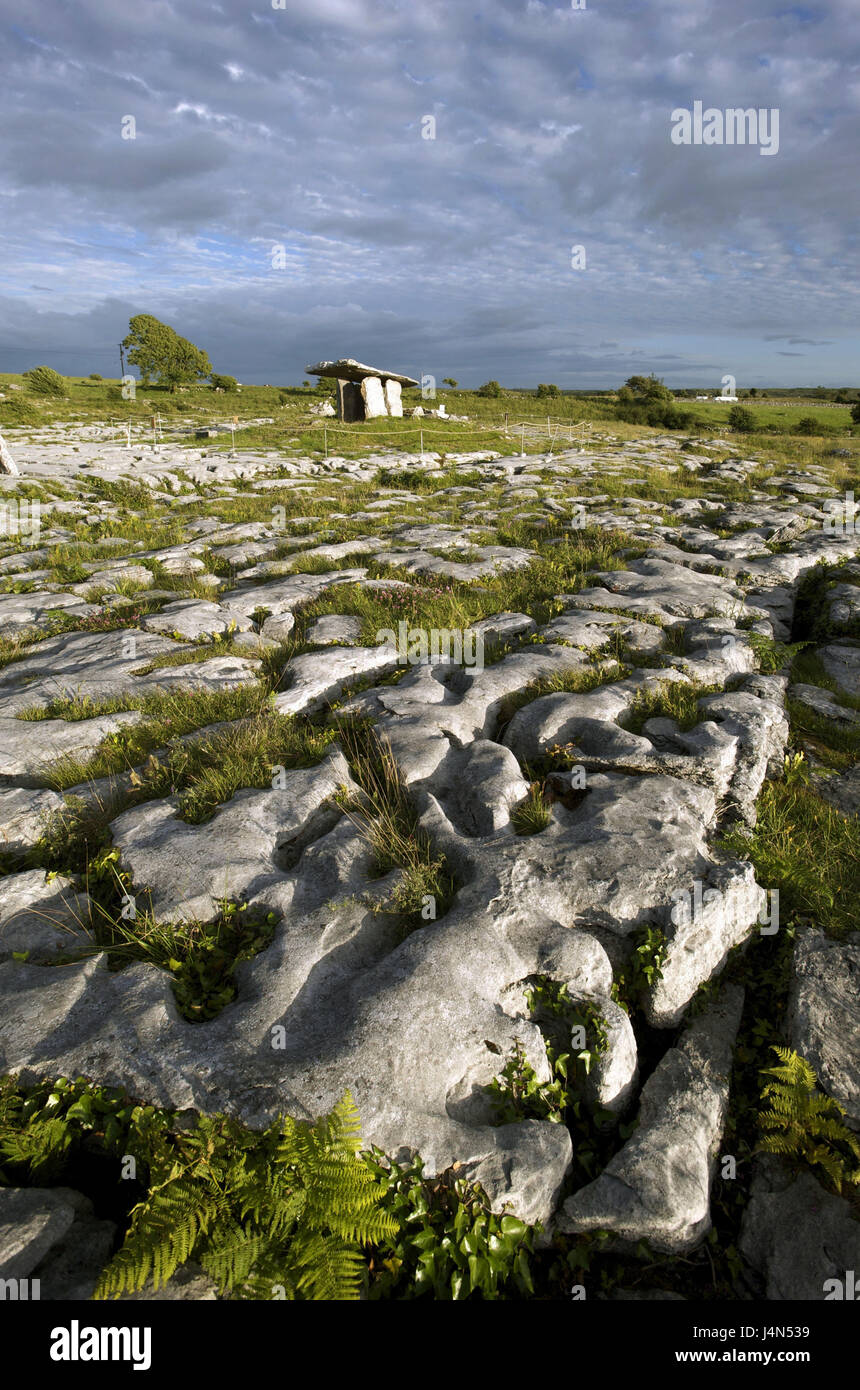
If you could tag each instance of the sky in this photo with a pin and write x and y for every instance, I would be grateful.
(405, 181)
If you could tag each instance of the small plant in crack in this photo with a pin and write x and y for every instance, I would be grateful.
(802, 1123)
(534, 813)
(575, 1035)
(200, 956)
(385, 814)
(644, 967)
(678, 700)
(772, 656)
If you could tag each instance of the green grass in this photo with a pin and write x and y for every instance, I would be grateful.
(201, 957)
(835, 745)
(203, 772)
(58, 623)
(386, 816)
(772, 656)
(807, 849)
(533, 814)
(678, 700)
(455, 605)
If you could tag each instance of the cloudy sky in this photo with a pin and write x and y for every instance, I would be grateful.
(281, 200)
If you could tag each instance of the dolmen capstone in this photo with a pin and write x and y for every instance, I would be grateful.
(363, 392)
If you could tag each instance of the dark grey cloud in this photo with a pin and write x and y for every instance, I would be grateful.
(301, 128)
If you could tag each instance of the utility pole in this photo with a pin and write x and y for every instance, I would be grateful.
(121, 362)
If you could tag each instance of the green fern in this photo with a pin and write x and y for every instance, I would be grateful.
(282, 1214)
(803, 1123)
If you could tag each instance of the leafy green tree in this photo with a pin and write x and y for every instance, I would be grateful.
(489, 388)
(741, 419)
(807, 424)
(547, 389)
(161, 353)
(855, 413)
(647, 388)
(44, 381)
(449, 381)
(223, 383)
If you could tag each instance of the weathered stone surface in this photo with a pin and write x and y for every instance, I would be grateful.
(842, 791)
(797, 1235)
(416, 1028)
(393, 401)
(347, 369)
(28, 747)
(823, 703)
(611, 1082)
(844, 604)
(842, 664)
(190, 1284)
(657, 1187)
(73, 1266)
(190, 869)
(42, 919)
(335, 630)
(708, 918)
(7, 463)
(658, 587)
(824, 1014)
(317, 678)
(283, 595)
(192, 618)
(23, 812)
(374, 397)
(85, 664)
(32, 1221)
(489, 560)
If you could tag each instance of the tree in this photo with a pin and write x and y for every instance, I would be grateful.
(223, 383)
(855, 413)
(741, 419)
(44, 381)
(547, 389)
(752, 392)
(489, 388)
(648, 388)
(159, 352)
(449, 381)
(807, 424)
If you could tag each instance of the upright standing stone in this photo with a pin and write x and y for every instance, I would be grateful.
(350, 404)
(7, 463)
(392, 397)
(374, 397)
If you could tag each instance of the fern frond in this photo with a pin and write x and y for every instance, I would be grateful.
(327, 1268)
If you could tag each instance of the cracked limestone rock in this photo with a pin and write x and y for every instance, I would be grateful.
(657, 1187)
(824, 1014)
